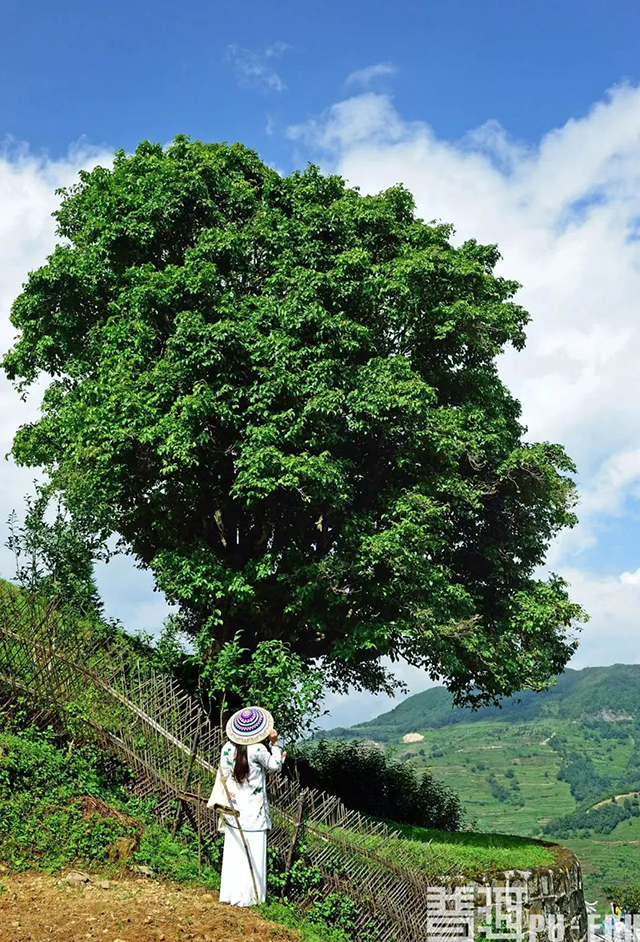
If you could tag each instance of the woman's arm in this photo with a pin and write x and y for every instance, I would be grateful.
(271, 761)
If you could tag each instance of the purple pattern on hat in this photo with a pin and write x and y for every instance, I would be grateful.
(249, 726)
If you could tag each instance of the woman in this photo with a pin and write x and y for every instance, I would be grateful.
(244, 762)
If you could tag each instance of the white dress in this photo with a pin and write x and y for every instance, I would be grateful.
(250, 800)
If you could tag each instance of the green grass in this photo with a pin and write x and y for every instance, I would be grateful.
(605, 862)
(477, 852)
(463, 852)
(609, 858)
(293, 918)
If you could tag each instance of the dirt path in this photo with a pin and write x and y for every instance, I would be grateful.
(607, 801)
(41, 908)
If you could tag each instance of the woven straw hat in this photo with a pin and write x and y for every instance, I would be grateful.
(249, 726)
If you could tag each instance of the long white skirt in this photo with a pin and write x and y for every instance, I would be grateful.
(236, 885)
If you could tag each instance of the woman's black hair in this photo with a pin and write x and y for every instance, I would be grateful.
(241, 765)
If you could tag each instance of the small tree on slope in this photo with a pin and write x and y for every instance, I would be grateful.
(283, 396)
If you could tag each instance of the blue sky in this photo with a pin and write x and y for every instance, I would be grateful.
(519, 122)
(122, 71)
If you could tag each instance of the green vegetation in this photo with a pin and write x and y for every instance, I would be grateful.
(603, 698)
(464, 852)
(601, 819)
(61, 805)
(370, 781)
(333, 913)
(309, 927)
(625, 895)
(282, 395)
(569, 750)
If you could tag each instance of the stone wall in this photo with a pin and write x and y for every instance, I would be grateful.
(549, 892)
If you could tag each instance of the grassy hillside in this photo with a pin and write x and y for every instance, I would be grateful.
(539, 767)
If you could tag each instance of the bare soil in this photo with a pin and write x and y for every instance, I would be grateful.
(43, 908)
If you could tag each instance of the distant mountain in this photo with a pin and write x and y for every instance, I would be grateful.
(608, 693)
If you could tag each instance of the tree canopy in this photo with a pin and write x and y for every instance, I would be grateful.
(282, 395)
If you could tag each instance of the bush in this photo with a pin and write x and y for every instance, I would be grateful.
(624, 895)
(602, 820)
(36, 762)
(499, 792)
(63, 806)
(368, 780)
(580, 773)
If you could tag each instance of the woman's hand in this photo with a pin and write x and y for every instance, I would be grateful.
(273, 736)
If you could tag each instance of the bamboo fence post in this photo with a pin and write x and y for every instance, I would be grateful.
(296, 830)
(185, 783)
(199, 829)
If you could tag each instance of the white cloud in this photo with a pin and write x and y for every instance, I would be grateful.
(27, 235)
(611, 635)
(364, 121)
(366, 76)
(562, 213)
(253, 68)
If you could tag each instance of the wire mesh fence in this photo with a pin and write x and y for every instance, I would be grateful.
(69, 674)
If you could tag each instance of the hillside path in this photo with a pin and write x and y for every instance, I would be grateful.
(43, 908)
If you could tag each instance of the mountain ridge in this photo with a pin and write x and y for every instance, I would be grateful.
(611, 693)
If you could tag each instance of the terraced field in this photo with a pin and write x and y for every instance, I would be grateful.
(506, 775)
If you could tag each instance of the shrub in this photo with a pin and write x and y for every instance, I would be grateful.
(580, 773)
(368, 780)
(39, 763)
(624, 895)
(499, 792)
(61, 805)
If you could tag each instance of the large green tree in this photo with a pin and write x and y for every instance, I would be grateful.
(282, 395)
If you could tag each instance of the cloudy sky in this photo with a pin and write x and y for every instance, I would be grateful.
(519, 123)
